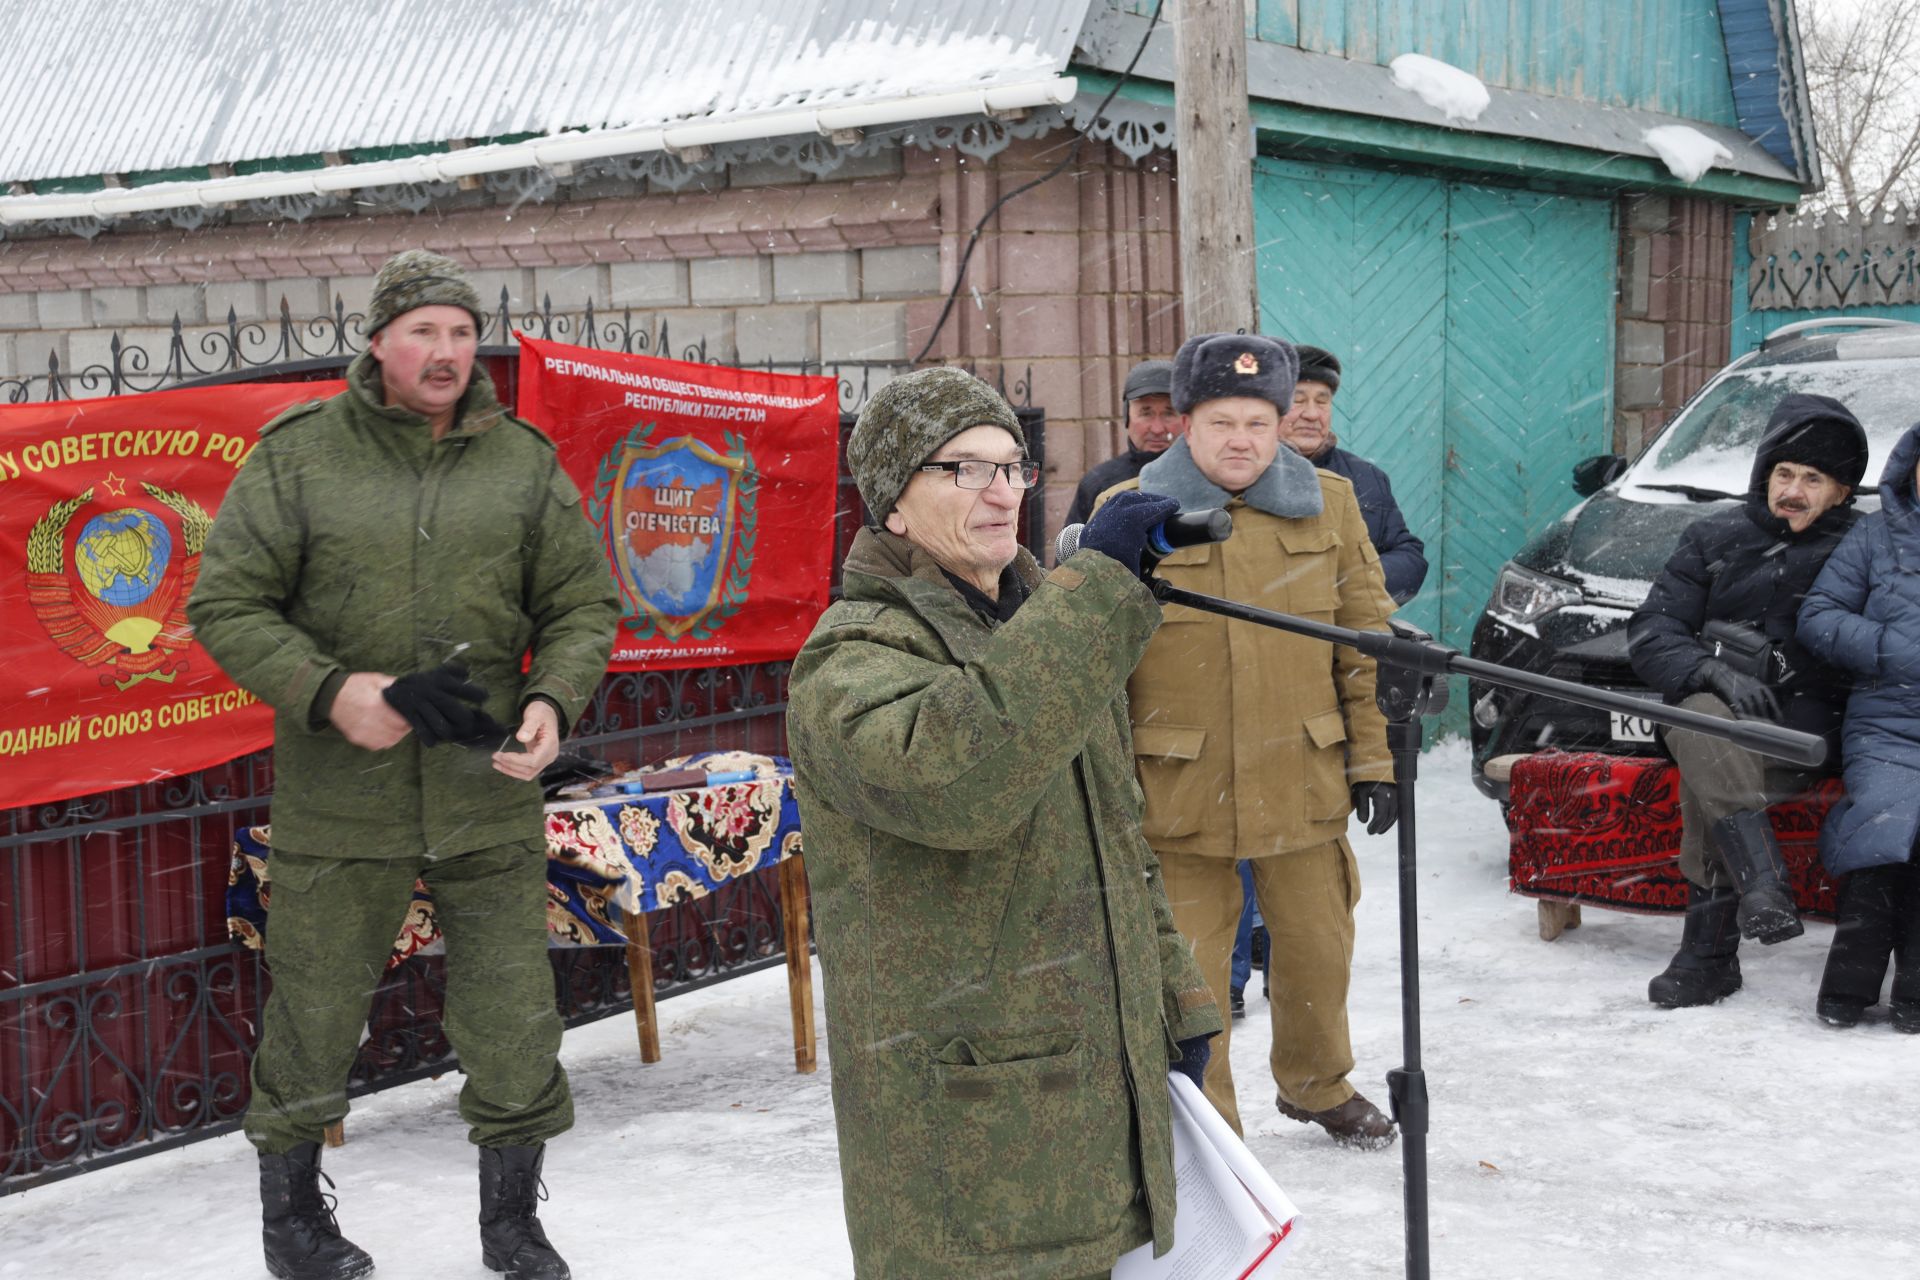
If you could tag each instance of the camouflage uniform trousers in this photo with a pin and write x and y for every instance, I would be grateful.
(1307, 898)
(330, 930)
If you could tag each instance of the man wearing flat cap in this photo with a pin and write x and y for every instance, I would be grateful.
(1005, 987)
(1257, 744)
(1307, 429)
(1152, 425)
(377, 573)
(1717, 635)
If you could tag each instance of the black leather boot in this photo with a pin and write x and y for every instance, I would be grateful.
(298, 1231)
(1746, 841)
(1905, 997)
(511, 1238)
(1707, 966)
(1864, 933)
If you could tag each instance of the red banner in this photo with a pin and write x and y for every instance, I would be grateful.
(104, 510)
(713, 490)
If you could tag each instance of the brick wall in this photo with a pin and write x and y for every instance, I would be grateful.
(1675, 313)
(1071, 283)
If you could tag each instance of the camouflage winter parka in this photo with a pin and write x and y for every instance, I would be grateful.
(1004, 983)
(352, 540)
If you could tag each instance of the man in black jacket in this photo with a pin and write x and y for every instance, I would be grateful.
(1152, 425)
(1716, 635)
(1307, 429)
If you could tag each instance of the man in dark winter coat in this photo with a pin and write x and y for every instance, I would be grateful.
(1716, 635)
(1152, 424)
(386, 530)
(1863, 615)
(1307, 429)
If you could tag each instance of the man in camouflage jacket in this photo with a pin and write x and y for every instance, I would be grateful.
(382, 532)
(1005, 987)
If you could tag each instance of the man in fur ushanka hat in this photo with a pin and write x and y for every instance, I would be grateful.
(1257, 744)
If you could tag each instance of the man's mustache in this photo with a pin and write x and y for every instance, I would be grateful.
(434, 370)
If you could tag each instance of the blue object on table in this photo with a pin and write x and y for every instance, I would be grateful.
(731, 775)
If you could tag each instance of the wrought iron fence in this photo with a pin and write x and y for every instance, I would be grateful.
(127, 1018)
(244, 350)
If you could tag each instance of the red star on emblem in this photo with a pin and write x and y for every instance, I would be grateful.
(115, 485)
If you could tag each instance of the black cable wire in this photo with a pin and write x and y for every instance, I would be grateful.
(1073, 153)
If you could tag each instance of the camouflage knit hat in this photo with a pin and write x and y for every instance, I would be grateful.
(908, 419)
(419, 278)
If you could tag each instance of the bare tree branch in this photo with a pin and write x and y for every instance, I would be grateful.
(1863, 80)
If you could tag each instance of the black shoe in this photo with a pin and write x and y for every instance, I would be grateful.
(1237, 1000)
(1746, 841)
(511, 1237)
(1836, 1012)
(1706, 968)
(1865, 935)
(297, 1228)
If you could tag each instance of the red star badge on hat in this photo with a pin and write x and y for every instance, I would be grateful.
(1246, 363)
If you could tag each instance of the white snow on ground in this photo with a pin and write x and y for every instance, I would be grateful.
(1687, 152)
(1446, 88)
(1578, 1132)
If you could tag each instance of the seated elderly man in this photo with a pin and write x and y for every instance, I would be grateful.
(1716, 635)
(1005, 987)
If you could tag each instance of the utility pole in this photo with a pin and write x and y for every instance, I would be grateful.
(1214, 137)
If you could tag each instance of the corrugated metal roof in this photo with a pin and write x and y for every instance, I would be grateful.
(124, 86)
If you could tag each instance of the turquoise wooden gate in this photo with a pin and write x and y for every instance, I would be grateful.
(1475, 325)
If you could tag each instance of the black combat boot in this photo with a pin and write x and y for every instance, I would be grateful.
(301, 1238)
(1865, 930)
(1746, 841)
(511, 1238)
(1706, 968)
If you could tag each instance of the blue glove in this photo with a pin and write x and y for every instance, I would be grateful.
(1193, 1058)
(1119, 529)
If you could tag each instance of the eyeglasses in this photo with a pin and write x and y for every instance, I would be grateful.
(977, 473)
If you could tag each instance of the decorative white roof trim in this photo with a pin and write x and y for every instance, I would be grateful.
(555, 151)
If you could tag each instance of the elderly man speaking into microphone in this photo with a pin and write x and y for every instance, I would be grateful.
(1005, 986)
(1255, 743)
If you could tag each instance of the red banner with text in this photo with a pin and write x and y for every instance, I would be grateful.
(104, 511)
(713, 490)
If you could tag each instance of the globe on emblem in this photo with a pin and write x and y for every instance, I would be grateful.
(122, 558)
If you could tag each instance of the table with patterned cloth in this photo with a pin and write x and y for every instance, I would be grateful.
(613, 859)
(1588, 827)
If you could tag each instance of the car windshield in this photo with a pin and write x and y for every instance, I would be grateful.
(1711, 447)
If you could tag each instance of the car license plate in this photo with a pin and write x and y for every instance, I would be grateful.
(1629, 728)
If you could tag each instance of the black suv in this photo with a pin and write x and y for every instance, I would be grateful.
(1560, 606)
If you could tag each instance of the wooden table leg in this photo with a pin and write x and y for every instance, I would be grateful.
(640, 977)
(336, 1134)
(795, 935)
(1556, 917)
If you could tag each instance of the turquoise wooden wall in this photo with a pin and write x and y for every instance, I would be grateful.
(1662, 55)
(1475, 324)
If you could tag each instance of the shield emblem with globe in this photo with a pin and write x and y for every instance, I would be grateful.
(673, 513)
(123, 605)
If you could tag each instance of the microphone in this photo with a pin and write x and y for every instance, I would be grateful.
(1188, 529)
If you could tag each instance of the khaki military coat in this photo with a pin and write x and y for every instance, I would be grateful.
(352, 540)
(1248, 738)
(1004, 983)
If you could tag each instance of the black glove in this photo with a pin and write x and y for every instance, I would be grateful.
(443, 705)
(1193, 1059)
(1377, 804)
(1119, 529)
(1750, 697)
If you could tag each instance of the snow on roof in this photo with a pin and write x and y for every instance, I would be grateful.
(145, 85)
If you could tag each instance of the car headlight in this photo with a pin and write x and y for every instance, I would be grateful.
(1522, 597)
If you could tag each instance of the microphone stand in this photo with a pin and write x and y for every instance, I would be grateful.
(1409, 686)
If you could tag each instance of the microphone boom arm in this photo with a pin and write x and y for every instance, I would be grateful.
(1427, 656)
